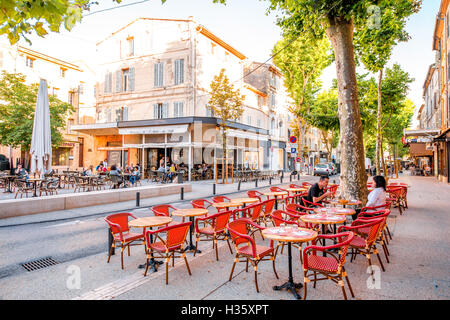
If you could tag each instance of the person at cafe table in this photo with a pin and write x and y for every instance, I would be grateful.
(317, 192)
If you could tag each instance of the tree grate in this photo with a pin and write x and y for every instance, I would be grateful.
(39, 264)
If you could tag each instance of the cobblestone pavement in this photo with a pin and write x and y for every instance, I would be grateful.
(418, 268)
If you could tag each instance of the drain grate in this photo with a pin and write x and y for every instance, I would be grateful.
(39, 264)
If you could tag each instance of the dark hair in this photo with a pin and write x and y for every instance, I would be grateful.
(380, 182)
(113, 167)
(324, 177)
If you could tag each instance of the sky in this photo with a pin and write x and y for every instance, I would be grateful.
(244, 24)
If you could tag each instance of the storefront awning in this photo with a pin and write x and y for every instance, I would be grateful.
(419, 150)
(154, 130)
(96, 129)
(246, 135)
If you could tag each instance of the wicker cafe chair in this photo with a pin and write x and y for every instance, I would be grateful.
(164, 210)
(22, 188)
(268, 207)
(201, 204)
(382, 237)
(397, 195)
(220, 199)
(365, 245)
(246, 249)
(168, 248)
(371, 211)
(255, 194)
(214, 229)
(118, 226)
(252, 212)
(330, 267)
(311, 204)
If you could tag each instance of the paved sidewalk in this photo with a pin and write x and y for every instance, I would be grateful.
(420, 251)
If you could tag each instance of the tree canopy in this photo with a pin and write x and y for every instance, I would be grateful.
(17, 106)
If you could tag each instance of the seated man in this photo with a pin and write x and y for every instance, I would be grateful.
(317, 192)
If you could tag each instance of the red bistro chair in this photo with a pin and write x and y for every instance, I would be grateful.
(306, 184)
(120, 231)
(397, 195)
(280, 217)
(331, 267)
(246, 249)
(214, 229)
(278, 189)
(268, 206)
(382, 236)
(365, 245)
(293, 185)
(255, 194)
(253, 212)
(201, 204)
(164, 210)
(221, 199)
(311, 204)
(369, 211)
(168, 247)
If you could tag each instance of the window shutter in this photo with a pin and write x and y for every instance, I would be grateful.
(125, 114)
(131, 79)
(181, 109)
(175, 109)
(179, 71)
(156, 75)
(165, 110)
(105, 87)
(161, 74)
(118, 80)
(155, 111)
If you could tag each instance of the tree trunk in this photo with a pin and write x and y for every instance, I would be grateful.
(383, 163)
(225, 166)
(353, 175)
(378, 143)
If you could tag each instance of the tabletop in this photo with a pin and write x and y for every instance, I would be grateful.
(336, 211)
(189, 212)
(323, 218)
(275, 194)
(345, 202)
(231, 204)
(296, 189)
(245, 200)
(289, 234)
(149, 222)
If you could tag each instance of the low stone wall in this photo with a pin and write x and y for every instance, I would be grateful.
(27, 206)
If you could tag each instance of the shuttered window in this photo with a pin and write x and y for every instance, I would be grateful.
(159, 74)
(178, 109)
(179, 71)
(108, 83)
(119, 81)
(160, 110)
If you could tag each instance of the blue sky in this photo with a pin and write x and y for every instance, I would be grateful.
(242, 23)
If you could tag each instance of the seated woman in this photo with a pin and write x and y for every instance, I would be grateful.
(377, 196)
(115, 172)
(135, 175)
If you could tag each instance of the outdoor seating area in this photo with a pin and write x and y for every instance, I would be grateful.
(65, 181)
(264, 226)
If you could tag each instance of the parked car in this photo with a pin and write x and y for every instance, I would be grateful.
(323, 169)
(4, 163)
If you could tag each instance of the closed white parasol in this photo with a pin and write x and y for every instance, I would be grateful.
(41, 141)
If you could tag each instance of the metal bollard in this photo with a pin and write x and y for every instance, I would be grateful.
(270, 180)
(298, 177)
(256, 183)
(281, 179)
(138, 199)
(290, 178)
(214, 188)
(182, 193)
(239, 185)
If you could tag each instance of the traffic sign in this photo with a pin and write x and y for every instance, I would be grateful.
(299, 159)
(293, 139)
(293, 150)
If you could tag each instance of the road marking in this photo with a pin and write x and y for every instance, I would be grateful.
(116, 288)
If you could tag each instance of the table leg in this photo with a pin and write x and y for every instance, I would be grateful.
(110, 242)
(191, 246)
(152, 263)
(290, 285)
(276, 203)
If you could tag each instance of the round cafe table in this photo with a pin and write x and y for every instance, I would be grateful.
(227, 205)
(191, 213)
(245, 201)
(289, 235)
(336, 211)
(324, 219)
(150, 222)
(276, 195)
(8, 180)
